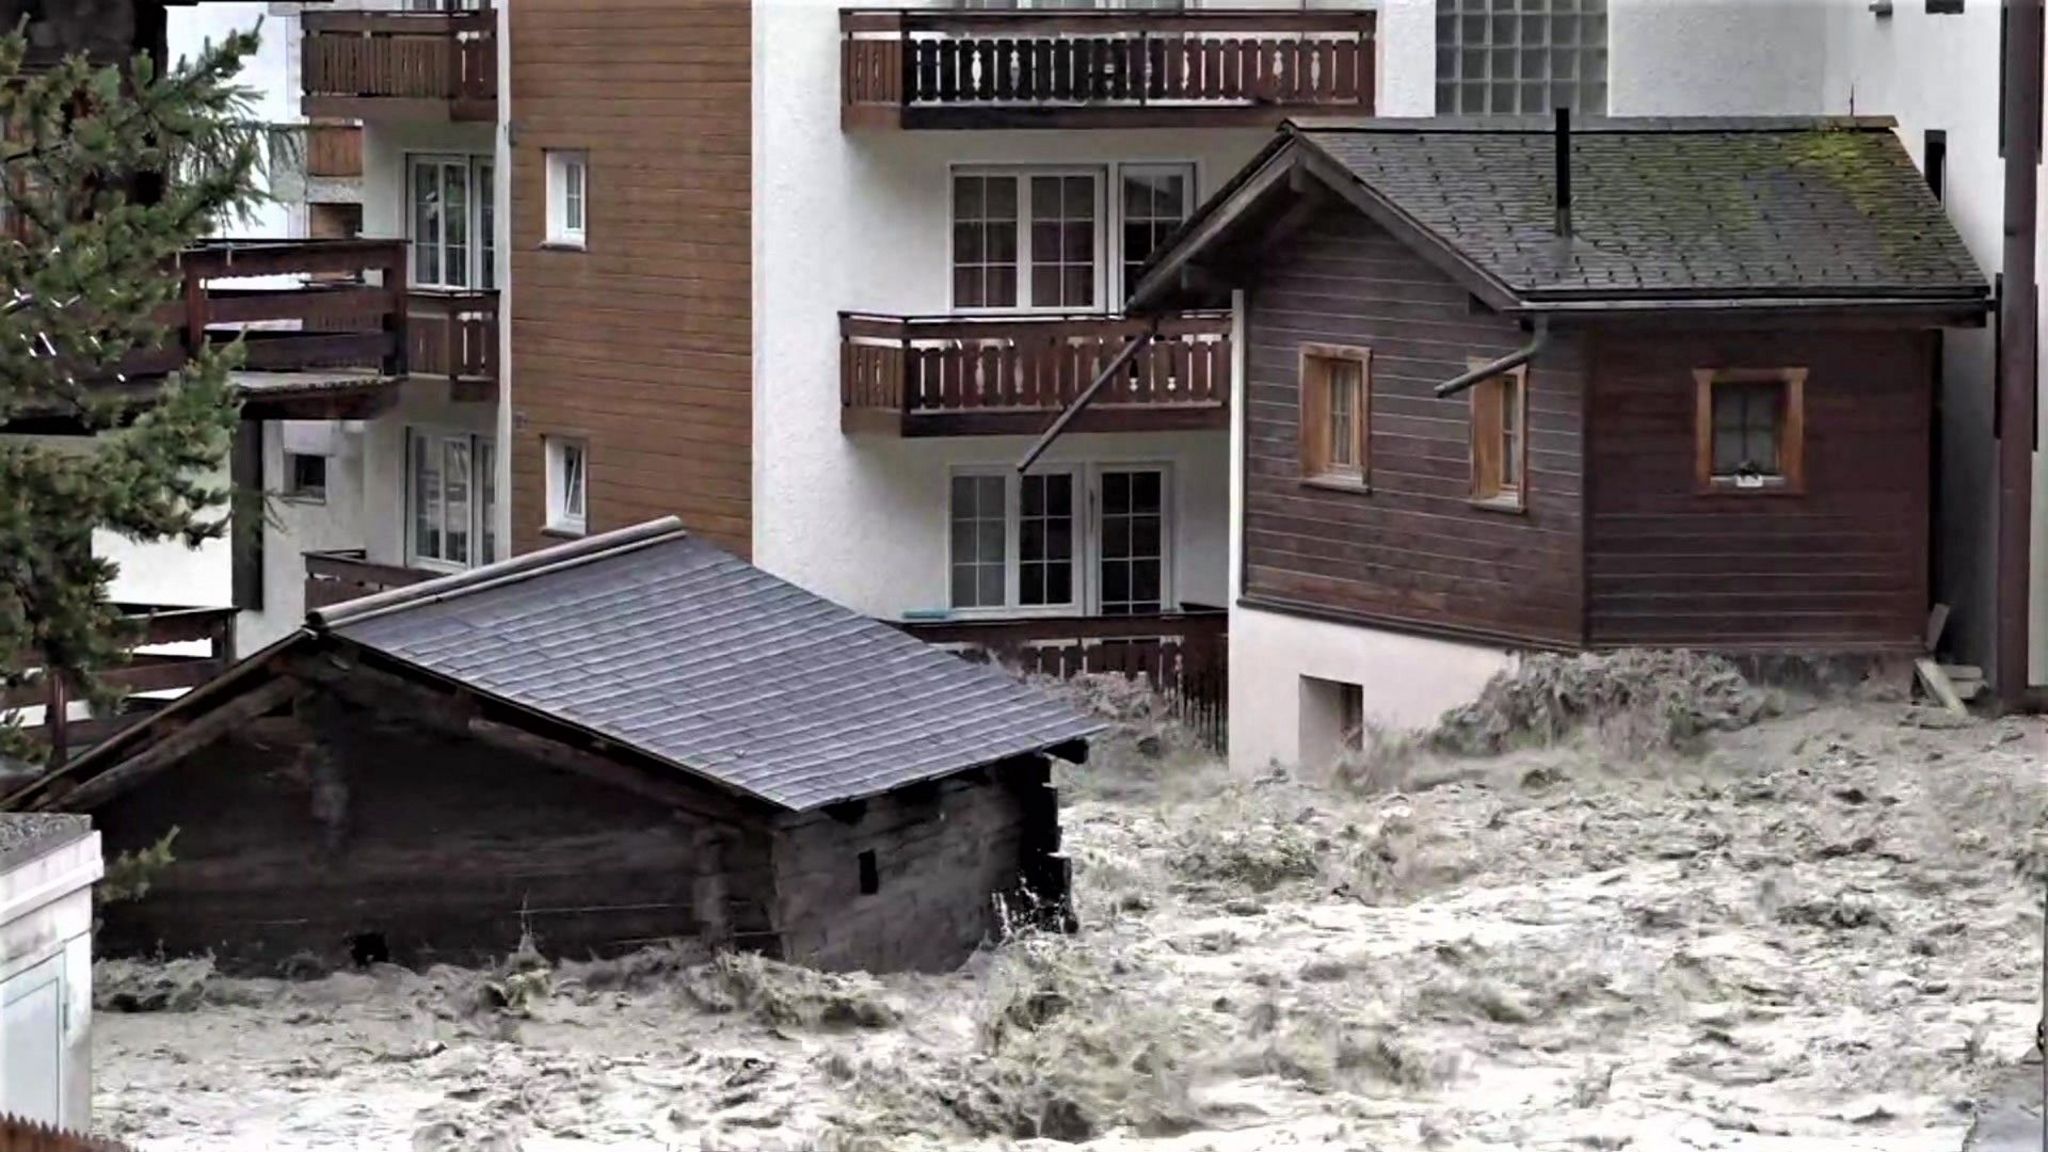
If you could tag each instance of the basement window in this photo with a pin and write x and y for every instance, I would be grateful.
(1336, 414)
(305, 477)
(870, 874)
(1750, 429)
(1500, 422)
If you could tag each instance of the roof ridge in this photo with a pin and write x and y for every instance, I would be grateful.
(507, 571)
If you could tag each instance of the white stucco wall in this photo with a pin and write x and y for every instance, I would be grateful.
(46, 929)
(1407, 681)
(860, 222)
(1717, 57)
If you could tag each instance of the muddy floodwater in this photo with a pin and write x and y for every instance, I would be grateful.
(1818, 931)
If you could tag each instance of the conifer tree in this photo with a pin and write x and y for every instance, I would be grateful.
(107, 173)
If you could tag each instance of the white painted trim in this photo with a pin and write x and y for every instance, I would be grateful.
(1013, 506)
(441, 434)
(473, 221)
(1169, 529)
(1115, 223)
(501, 174)
(556, 163)
(555, 456)
(1022, 174)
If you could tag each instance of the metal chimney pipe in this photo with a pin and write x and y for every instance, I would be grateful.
(1564, 172)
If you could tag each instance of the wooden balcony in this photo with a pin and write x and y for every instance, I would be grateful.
(1003, 376)
(1184, 655)
(421, 66)
(916, 68)
(453, 336)
(209, 630)
(332, 577)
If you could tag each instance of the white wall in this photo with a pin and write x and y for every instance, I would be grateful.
(1717, 57)
(1408, 681)
(45, 932)
(860, 222)
(385, 147)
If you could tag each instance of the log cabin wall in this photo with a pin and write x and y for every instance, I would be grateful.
(442, 848)
(1843, 565)
(941, 851)
(1414, 551)
(639, 345)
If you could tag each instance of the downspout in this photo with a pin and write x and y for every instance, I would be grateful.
(1073, 410)
(2018, 322)
(1507, 363)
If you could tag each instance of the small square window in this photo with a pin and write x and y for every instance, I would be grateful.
(568, 177)
(568, 486)
(305, 477)
(1336, 403)
(1750, 430)
(1500, 421)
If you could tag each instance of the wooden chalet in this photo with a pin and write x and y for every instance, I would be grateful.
(1661, 383)
(629, 738)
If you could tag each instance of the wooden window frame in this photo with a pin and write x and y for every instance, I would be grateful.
(1791, 477)
(1489, 490)
(1314, 408)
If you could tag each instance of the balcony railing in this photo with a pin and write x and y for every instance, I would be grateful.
(454, 336)
(1184, 655)
(332, 577)
(210, 630)
(1019, 68)
(967, 376)
(401, 65)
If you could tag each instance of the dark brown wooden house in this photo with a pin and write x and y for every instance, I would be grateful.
(630, 738)
(1647, 383)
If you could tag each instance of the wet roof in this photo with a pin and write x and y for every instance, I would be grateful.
(662, 642)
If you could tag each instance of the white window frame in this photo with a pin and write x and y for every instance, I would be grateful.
(561, 519)
(1013, 503)
(1023, 173)
(1087, 549)
(1188, 168)
(1169, 524)
(482, 498)
(480, 245)
(562, 232)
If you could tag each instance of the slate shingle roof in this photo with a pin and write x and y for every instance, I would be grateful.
(682, 651)
(1671, 208)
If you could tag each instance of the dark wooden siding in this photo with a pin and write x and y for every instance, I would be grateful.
(942, 852)
(1844, 564)
(1413, 551)
(445, 848)
(642, 343)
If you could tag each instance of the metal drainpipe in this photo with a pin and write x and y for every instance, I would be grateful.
(2019, 322)
(1073, 410)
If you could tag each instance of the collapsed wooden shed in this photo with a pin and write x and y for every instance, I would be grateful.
(630, 738)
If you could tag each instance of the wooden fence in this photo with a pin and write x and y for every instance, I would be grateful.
(18, 1135)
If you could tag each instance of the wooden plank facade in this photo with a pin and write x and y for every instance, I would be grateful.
(1615, 544)
(639, 345)
(1414, 549)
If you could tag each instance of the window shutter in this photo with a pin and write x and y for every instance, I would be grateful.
(1487, 397)
(1315, 416)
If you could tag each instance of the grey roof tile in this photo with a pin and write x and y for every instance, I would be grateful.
(1667, 208)
(691, 655)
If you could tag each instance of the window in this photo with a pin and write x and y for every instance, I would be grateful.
(568, 175)
(1944, 7)
(1521, 57)
(1500, 418)
(453, 226)
(568, 485)
(1131, 562)
(980, 542)
(1043, 228)
(1750, 430)
(448, 481)
(1024, 543)
(870, 873)
(1934, 163)
(1332, 721)
(305, 477)
(1156, 200)
(1336, 401)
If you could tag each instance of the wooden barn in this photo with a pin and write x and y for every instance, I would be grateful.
(629, 738)
(1508, 386)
